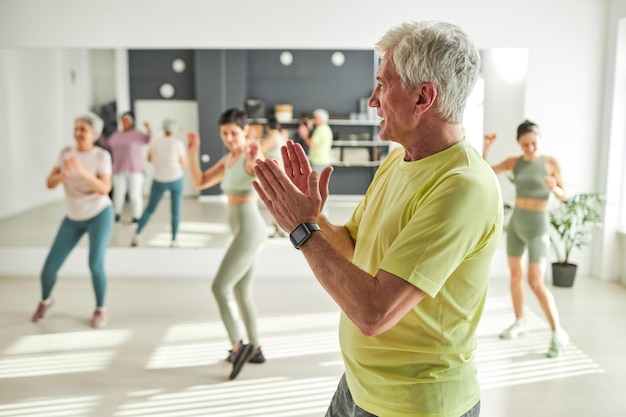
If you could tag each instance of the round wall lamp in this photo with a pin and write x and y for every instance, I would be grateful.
(338, 58)
(167, 90)
(179, 65)
(286, 58)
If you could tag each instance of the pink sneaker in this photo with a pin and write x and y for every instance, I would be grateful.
(99, 318)
(42, 310)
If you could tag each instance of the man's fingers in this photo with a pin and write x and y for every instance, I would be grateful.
(324, 181)
(300, 156)
(262, 194)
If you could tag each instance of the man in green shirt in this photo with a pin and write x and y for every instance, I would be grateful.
(410, 268)
(321, 141)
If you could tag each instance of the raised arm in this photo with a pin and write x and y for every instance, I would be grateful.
(211, 176)
(148, 135)
(254, 152)
(298, 169)
(388, 297)
(506, 165)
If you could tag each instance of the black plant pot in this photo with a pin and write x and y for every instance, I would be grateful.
(563, 274)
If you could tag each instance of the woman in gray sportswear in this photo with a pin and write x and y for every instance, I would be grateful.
(232, 285)
(536, 177)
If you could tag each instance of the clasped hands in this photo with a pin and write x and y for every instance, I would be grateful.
(296, 194)
(72, 164)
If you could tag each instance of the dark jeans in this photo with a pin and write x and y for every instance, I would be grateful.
(342, 404)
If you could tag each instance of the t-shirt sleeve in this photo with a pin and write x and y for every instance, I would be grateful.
(105, 166)
(181, 149)
(445, 228)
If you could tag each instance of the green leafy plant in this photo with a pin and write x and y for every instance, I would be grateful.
(573, 221)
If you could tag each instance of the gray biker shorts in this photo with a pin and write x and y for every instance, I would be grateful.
(528, 229)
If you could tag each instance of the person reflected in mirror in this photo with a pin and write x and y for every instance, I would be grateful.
(232, 285)
(536, 177)
(320, 141)
(128, 170)
(304, 130)
(271, 144)
(273, 140)
(84, 170)
(168, 157)
(410, 268)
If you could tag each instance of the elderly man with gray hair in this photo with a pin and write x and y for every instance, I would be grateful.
(410, 268)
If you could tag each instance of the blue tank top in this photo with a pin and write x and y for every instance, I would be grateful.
(529, 179)
(236, 180)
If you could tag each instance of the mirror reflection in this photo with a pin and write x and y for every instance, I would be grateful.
(109, 83)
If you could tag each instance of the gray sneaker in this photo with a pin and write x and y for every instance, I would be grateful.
(559, 340)
(513, 331)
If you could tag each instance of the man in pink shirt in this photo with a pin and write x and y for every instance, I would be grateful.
(128, 173)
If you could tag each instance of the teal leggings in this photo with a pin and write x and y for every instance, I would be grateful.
(528, 229)
(232, 286)
(156, 192)
(99, 229)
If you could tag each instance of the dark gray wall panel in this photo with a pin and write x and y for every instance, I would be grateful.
(311, 81)
(148, 69)
(210, 97)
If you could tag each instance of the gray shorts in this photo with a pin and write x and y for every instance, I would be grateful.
(342, 404)
(528, 229)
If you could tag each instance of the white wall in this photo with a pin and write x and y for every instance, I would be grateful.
(567, 42)
(41, 91)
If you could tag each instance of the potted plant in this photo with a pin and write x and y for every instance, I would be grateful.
(572, 221)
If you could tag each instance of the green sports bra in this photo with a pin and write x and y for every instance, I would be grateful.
(529, 178)
(236, 180)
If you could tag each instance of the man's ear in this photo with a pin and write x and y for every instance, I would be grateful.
(426, 95)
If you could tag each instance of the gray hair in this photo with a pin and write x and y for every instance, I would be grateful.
(436, 52)
(94, 121)
(323, 114)
(168, 126)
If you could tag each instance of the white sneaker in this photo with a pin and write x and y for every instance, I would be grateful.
(559, 340)
(513, 331)
(174, 244)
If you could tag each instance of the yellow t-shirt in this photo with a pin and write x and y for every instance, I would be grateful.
(436, 223)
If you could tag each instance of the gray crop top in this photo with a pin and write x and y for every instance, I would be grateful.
(236, 180)
(529, 179)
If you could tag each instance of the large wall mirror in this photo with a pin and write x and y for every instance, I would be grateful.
(193, 87)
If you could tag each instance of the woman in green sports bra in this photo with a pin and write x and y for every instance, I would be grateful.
(536, 177)
(232, 285)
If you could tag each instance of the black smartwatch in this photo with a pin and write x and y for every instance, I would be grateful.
(302, 233)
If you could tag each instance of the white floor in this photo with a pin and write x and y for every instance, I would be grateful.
(163, 352)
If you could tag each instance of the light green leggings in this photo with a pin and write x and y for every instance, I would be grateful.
(232, 285)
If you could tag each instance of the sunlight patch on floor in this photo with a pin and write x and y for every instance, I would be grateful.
(263, 397)
(50, 407)
(503, 363)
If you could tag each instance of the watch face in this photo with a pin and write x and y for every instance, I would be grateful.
(299, 235)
